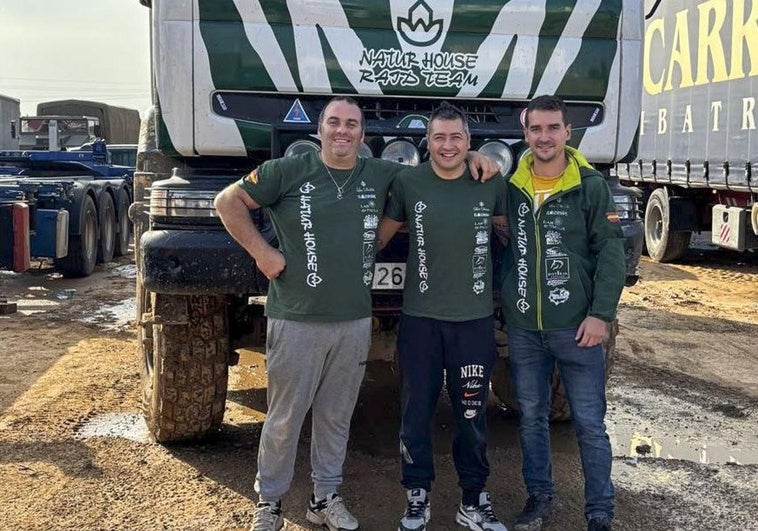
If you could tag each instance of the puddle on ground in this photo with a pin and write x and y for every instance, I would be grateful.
(126, 271)
(129, 426)
(631, 443)
(114, 316)
(31, 306)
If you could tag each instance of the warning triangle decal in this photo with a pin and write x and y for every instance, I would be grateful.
(296, 114)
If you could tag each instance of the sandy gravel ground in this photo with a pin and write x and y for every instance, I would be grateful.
(75, 453)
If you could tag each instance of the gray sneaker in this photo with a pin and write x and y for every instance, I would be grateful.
(331, 513)
(479, 517)
(267, 516)
(417, 513)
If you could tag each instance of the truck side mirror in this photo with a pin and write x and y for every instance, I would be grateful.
(98, 131)
(13, 128)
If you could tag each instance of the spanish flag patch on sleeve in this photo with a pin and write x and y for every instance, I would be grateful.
(613, 217)
(252, 177)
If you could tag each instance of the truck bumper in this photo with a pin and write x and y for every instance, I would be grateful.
(196, 262)
(634, 237)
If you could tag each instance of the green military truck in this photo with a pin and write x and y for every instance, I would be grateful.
(77, 122)
(237, 82)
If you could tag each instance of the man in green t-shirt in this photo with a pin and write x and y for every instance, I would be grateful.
(446, 330)
(325, 208)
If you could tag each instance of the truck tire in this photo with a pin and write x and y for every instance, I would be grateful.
(124, 237)
(663, 245)
(107, 216)
(82, 248)
(184, 375)
(502, 384)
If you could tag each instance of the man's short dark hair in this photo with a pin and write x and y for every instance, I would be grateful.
(546, 103)
(350, 101)
(447, 111)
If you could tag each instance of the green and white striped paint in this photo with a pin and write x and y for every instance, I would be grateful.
(489, 49)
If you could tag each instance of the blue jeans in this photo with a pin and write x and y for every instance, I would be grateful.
(582, 369)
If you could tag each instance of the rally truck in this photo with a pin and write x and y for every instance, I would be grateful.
(697, 160)
(238, 82)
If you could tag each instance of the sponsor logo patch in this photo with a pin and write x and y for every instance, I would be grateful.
(559, 296)
(553, 237)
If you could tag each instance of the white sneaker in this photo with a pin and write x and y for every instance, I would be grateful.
(479, 517)
(417, 513)
(267, 517)
(331, 513)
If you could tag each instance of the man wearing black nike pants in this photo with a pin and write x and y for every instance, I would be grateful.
(447, 325)
(464, 352)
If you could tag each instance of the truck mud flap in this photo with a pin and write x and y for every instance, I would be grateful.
(14, 237)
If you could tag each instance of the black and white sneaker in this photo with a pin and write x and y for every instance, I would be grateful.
(479, 517)
(417, 513)
(331, 513)
(267, 516)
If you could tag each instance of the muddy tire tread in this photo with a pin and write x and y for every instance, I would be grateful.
(184, 392)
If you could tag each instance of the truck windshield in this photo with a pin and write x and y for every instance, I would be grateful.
(68, 126)
(71, 131)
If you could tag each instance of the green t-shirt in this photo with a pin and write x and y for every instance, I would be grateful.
(328, 243)
(449, 270)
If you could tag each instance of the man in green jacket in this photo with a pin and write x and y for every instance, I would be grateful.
(565, 272)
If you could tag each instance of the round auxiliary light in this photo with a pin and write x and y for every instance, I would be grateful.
(500, 152)
(364, 151)
(301, 146)
(402, 151)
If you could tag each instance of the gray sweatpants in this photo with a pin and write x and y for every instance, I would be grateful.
(318, 365)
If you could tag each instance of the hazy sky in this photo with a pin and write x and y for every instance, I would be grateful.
(82, 49)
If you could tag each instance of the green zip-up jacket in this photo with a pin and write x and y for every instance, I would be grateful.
(566, 260)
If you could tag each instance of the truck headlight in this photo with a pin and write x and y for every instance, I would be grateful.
(402, 151)
(500, 152)
(182, 203)
(627, 206)
(300, 146)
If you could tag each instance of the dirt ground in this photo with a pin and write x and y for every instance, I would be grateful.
(74, 453)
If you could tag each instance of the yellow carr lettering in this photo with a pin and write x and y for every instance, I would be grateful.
(680, 53)
(747, 31)
(709, 41)
(653, 86)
